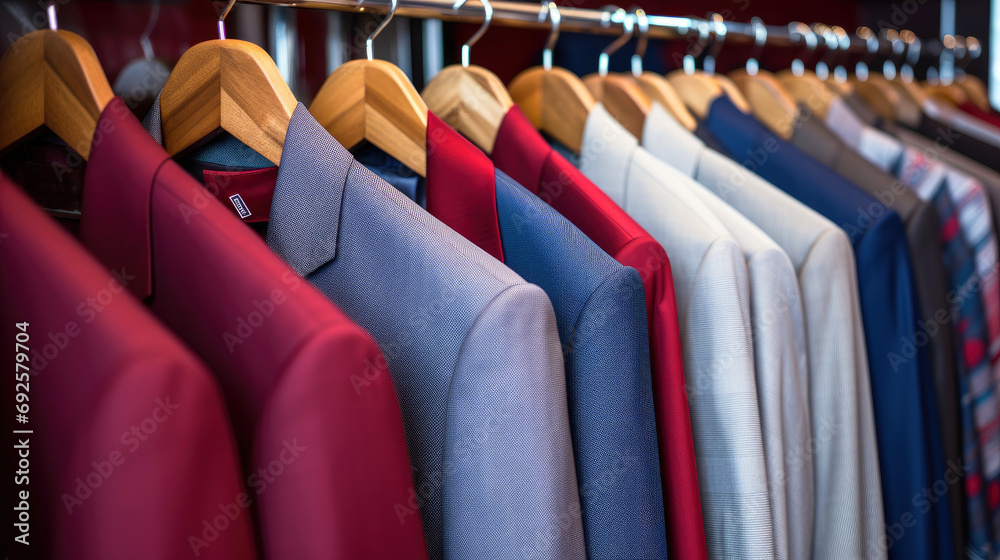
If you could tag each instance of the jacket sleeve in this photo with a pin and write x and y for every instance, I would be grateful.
(510, 485)
(898, 368)
(330, 467)
(725, 417)
(159, 470)
(614, 423)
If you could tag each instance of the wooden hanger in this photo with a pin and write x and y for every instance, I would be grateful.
(553, 99)
(658, 90)
(698, 89)
(621, 96)
(951, 94)
(373, 100)
(808, 89)
(975, 90)
(52, 78)
(769, 101)
(230, 85)
(878, 94)
(471, 99)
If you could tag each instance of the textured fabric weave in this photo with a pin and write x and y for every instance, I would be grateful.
(601, 313)
(779, 347)
(524, 154)
(713, 305)
(901, 381)
(473, 349)
(101, 366)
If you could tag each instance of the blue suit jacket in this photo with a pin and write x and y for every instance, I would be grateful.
(601, 313)
(907, 425)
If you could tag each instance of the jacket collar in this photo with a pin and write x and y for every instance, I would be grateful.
(666, 139)
(520, 150)
(308, 193)
(461, 187)
(116, 223)
(606, 153)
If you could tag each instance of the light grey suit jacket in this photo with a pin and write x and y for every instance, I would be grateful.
(849, 518)
(712, 289)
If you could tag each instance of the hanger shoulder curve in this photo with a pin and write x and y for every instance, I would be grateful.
(52, 78)
(472, 100)
(228, 84)
(771, 104)
(659, 90)
(975, 90)
(733, 92)
(623, 99)
(555, 101)
(951, 94)
(697, 90)
(808, 90)
(876, 92)
(374, 100)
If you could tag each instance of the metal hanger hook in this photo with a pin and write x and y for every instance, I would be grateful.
(222, 19)
(831, 45)
(759, 40)
(718, 39)
(642, 27)
(147, 46)
(50, 9)
(552, 11)
(614, 13)
(369, 49)
(487, 19)
(841, 55)
(897, 48)
(807, 35)
(698, 48)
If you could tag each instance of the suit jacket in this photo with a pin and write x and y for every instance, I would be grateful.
(779, 346)
(941, 151)
(522, 152)
(968, 135)
(902, 387)
(923, 233)
(845, 463)
(290, 364)
(131, 453)
(473, 349)
(713, 306)
(601, 314)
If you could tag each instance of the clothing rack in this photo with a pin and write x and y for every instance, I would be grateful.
(580, 20)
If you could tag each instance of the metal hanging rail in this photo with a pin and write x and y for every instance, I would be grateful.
(579, 20)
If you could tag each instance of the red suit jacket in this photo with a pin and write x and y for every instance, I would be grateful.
(131, 451)
(311, 401)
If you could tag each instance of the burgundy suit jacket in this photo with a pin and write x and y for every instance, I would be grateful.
(311, 399)
(131, 450)
(521, 152)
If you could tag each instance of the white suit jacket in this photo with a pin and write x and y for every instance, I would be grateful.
(713, 305)
(848, 515)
